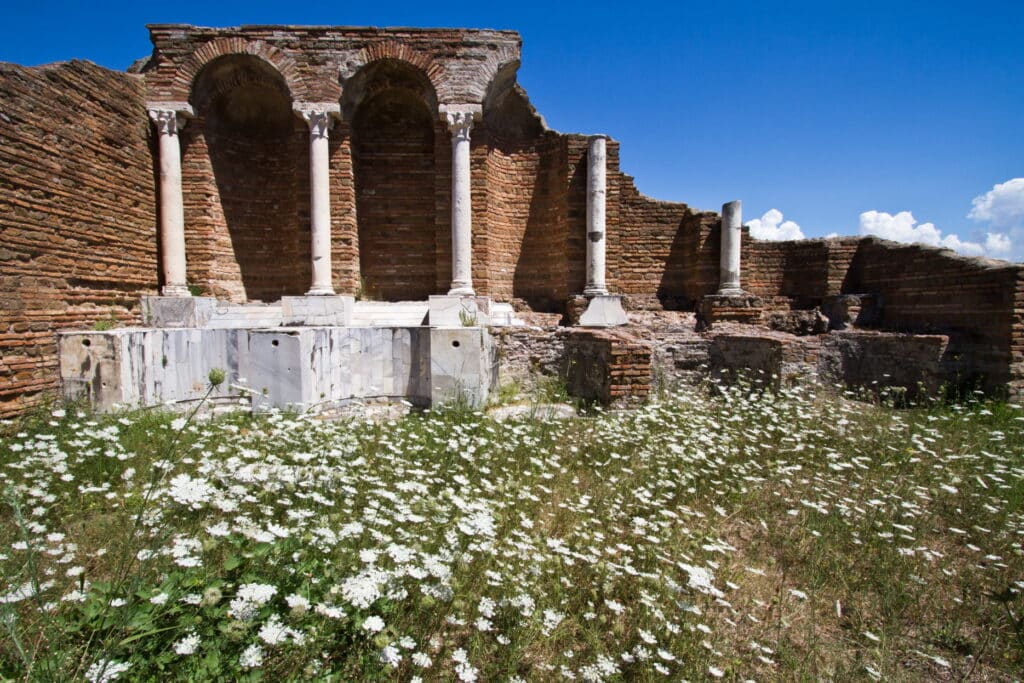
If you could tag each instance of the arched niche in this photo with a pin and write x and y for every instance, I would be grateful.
(392, 110)
(246, 183)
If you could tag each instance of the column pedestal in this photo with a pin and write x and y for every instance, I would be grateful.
(604, 310)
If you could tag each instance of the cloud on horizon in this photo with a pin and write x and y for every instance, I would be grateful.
(903, 227)
(1002, 209)
(771, 227)
(999, 214)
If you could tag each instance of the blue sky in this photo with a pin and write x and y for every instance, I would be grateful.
(840, 116)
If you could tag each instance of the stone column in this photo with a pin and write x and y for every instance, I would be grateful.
(169, 120)
(320, 119)
(729, 270)
(597, 163)
(460, 122)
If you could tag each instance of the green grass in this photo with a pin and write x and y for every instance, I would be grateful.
(790, 535)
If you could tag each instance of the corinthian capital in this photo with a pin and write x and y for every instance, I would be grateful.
(319, 116)
(169, 117)
(459, 118)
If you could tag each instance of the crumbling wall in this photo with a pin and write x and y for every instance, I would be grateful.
(919, 364)
(77, 214)
(925, 289)
(792, 269)
(645, 252)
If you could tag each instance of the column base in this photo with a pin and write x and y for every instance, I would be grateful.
(730, 291)
(461, 290)
(590, 291)
(175, 290)
(317, 310)
(738, 308)
(604, 311)
(321, 291)
(178, 311)
(459, 311)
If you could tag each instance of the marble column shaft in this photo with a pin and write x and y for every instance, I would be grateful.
(172, 209)
(460, 123)
(597, 171)
(732, 234)
(319, 122)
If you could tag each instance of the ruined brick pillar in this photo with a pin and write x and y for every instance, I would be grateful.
(732, 226)
(597, 170)
(460, 122)
(169, 119)
(319, 118)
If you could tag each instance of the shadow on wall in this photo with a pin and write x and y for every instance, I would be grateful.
(671, 290)
(259, 157)
(392, 108)
(541, 269)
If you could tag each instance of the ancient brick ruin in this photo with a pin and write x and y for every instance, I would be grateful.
(386, 205)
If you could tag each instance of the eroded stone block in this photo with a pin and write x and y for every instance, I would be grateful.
(463, 365)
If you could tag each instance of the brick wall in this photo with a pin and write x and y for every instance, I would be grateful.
(609, 366)
(526, 221)
(924, 289)
(393, 160)
(792, 269)
(247, 234)
(77, 214)
(344, 226)
(645, 251)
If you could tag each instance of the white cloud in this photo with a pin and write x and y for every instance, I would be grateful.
(1002, 207)
(903, 227)
(770, 226)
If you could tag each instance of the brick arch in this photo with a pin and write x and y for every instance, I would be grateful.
(504, 61)
(220, 47)
(401, 52)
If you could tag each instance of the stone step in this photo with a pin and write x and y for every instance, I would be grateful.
(234, 317)
(389, 314)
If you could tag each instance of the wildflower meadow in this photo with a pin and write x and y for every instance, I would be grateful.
(712, 533)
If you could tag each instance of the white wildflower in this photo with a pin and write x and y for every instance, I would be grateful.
(188, 644)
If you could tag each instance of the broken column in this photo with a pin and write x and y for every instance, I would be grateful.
(729, 262)
(169, 119)
(730, 303)
(319, 118)
(460, 122)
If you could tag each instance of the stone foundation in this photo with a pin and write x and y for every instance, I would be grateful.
(611, 367)
(739, 308)
(919, 364)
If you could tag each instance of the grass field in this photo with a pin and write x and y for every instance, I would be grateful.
(712, 534)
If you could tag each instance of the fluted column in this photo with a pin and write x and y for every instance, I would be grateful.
(729, 271)
(597, 170)
(460, 122)
(320, 118)
(169, 119)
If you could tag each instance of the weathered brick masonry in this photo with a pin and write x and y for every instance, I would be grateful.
(78, 206)
(610, 366)
(78, 240)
